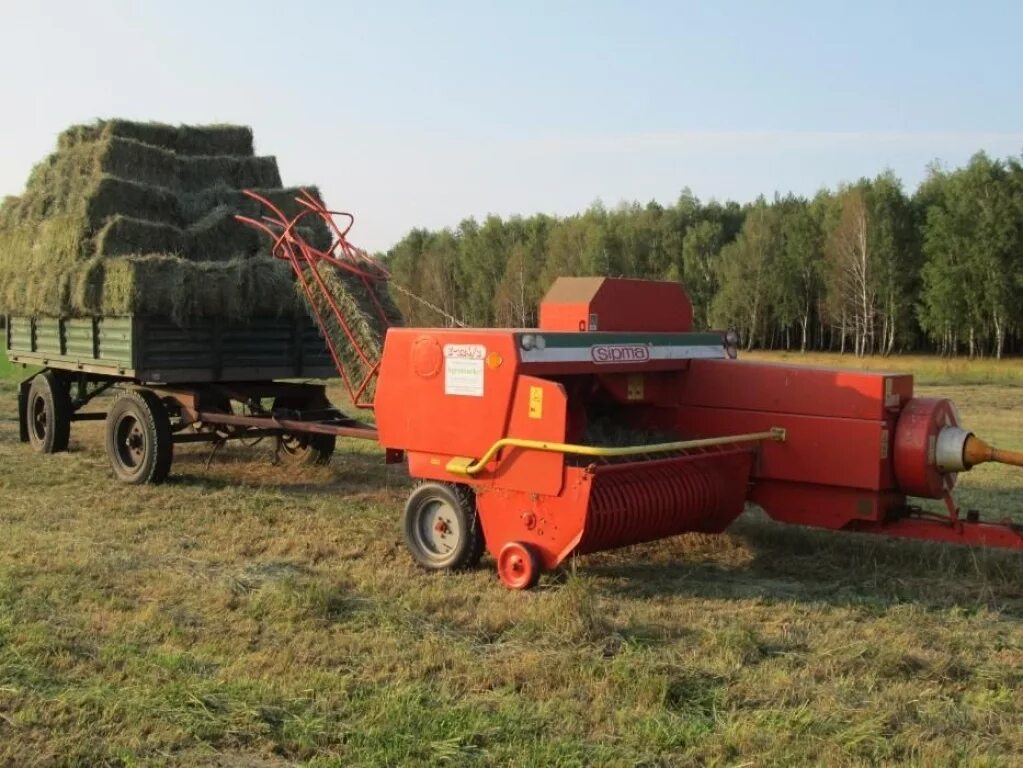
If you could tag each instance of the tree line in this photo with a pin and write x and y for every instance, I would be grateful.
(865, 268)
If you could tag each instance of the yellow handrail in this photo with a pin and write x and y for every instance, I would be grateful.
(467, 466)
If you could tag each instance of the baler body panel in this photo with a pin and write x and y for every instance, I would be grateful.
(825, 506)
(539, 412)
(568, 353)
(817, 449)
(781, 388)
(615, 304)
(438, 393)
(835, 468)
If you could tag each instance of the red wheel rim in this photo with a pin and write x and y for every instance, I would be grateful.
(517, 566)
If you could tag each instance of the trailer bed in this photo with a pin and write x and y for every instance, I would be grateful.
(158, 351)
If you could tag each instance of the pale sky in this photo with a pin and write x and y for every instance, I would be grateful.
(422, 114)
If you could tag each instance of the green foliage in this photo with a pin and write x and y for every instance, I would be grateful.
(748, 271)
(973, 240)
(866, 267)
(700, 247)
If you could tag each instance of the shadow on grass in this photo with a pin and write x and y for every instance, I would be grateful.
(786, 564)
(757, 559)
(348, 471)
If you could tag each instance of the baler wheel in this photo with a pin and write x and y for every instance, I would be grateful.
(442, 528)
(48, 413)
(518, 565)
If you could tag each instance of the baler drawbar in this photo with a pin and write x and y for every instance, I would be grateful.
(614, 423)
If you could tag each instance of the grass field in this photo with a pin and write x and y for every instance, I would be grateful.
(8, 371)
(927, 369)
(248, 615)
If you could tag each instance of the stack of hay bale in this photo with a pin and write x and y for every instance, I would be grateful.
(137, 218)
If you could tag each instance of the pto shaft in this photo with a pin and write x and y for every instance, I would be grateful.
(976, 451)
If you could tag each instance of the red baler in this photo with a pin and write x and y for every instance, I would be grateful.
(614, 423)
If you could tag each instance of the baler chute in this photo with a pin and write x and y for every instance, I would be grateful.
(613, 423)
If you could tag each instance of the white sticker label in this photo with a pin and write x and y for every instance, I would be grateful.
(463, 369)
(463, 377)
(465, 351)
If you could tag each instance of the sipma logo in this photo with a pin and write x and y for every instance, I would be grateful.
(620, 353)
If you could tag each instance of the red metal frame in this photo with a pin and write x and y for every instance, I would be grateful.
(290, 246)
(350, 428)
(919, 524)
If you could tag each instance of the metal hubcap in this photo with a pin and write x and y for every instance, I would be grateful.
(438, 532)
(130, 441)
(516, 565)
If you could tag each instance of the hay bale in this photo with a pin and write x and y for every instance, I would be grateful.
(218, 237)
(197, 204)
(113, 196)
(138, 218)
(131, 178)
(106, 193)
(130, 159)
(180, 289)
(125, 235)
(180, 139)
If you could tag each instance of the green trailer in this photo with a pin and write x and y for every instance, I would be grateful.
(202, 381)
(158, 351)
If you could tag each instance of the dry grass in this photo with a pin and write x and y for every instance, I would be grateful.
(927, 369)
(252, 615)
(361, 301)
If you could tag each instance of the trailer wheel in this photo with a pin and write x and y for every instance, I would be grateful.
(48, 413)
(304, 449)
(518, 565)
(442, 527)
(139, 442)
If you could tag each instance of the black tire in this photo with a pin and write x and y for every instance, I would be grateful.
(48, 413)
(305, 449)
(432, 505)
(139, 442)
